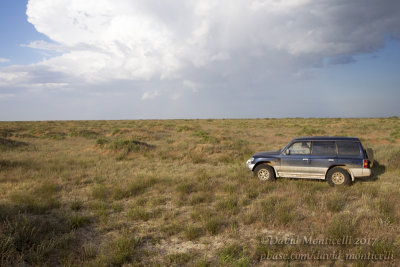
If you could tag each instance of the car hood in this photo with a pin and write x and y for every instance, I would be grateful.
(266, 154)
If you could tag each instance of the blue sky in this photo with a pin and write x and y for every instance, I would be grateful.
(15, 30)
(69, 59)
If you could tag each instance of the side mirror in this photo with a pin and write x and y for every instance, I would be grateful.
(287, 152)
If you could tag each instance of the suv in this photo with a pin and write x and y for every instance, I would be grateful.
(336, 159)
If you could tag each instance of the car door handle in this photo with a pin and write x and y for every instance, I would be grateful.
(305, 159)
(331, 160)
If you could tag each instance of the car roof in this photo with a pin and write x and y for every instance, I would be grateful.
(327, 138)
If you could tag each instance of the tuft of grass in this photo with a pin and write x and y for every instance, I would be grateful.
(135, 188)
(395, 133)
(213, 225)
(201, 197)
(384, 246)
(336, 202)
(192, 232)
(310, 131)
(129, 145)
(39, 200)
(8, 144)
(55, 135)
(340, 226)
(186, 188)
(100, 192)
(76, 205)
(387, 209)
(171, 229)
(139, 213)
(178, 259)
(183, 128)
(78, 221)
(233, 255)
(284, 214)
(102, 141)
(121, 250)
(89, 252)
(90, 134)
(27, 240)
(205, 137)
(228, 205)
(393, 162)
(7, 133)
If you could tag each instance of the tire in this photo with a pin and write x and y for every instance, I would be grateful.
(264, 172)
(338, 177)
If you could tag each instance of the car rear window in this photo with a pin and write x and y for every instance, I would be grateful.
(348, 148)
(323, 148)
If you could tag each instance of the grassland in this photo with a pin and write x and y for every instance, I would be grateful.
(176, 192)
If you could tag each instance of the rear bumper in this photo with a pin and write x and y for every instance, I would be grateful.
(360, 172)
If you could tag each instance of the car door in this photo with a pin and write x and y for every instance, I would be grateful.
(295, 159)
(323, 155)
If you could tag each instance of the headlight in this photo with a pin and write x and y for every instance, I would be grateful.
(250, 160)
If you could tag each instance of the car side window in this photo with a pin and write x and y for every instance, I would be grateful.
(323, 148)
(300, 148)
(348, 148)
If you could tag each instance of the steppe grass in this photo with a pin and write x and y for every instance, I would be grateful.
(176, 192)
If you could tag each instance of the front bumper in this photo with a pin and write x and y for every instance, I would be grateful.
(250, 164)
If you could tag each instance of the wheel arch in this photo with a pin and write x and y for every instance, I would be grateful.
(269, 163)
(344, 167)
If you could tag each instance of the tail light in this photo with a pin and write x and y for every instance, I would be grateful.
(365, 163)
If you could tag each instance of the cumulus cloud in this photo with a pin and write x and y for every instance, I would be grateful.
(147, 40)
(174, 48)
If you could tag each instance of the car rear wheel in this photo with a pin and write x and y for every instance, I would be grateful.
(264, 172)
(338, 176)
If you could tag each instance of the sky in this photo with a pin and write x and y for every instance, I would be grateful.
(173, 59)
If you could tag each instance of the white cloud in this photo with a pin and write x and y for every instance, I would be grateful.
(150, 95)
(6, 96)
(185, 49)
(3, 60)
(43, 45)
(145, 40)
(12, 77)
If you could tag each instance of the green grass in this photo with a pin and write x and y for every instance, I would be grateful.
(176, 192)
(193, 232)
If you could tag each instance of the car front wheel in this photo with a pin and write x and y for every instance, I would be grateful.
(264, 172)
(338, 176)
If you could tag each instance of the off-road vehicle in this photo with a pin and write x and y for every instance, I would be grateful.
(338, 160)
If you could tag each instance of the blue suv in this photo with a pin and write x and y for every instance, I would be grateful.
(339, 160)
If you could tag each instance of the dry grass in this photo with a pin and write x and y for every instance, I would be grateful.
(176, 192)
